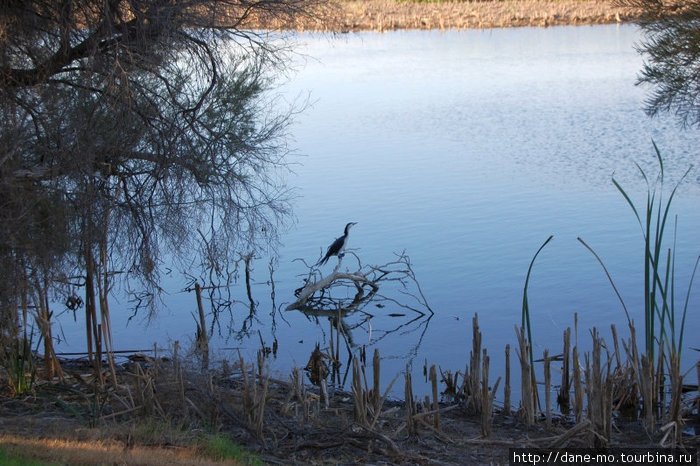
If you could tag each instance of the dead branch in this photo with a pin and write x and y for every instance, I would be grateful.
(317, 294)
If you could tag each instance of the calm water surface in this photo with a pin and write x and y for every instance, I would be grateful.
(466, 150)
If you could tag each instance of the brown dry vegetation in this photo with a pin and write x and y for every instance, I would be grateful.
(383, 15)
(161, 411)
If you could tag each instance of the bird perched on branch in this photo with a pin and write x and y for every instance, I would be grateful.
(338, 246)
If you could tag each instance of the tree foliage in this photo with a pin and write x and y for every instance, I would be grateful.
(671, 46)
(132, 130)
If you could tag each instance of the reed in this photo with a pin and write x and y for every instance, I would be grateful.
(664, 315)
(525, 324)
(19, 363)
(660, 311)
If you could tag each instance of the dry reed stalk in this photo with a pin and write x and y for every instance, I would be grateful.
(259, 417)
(358, 394)
(474, 402)
(647, 389)
(563, 397)
(659, 381)
(618, 359)
(578, 387)
(506, 388)
(147, 392)
(674, 416)
(527, 407)
(697, 397)
(293, 395)
(380, 403)
(450, 382)
(487, 397)
(436, 406)
(254, 397)
(410, 404)
(547, 388)
(248, 395)
(338, 328)
(635, 364)
(376, 395)
(599, 390)
(560, 441)
(178, 378)
(625, 384)
(140, 392)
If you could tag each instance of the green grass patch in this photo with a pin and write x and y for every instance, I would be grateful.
(7, 460)
(219, 447)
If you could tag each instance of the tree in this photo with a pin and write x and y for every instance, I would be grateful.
(671, 46)
(134, 132)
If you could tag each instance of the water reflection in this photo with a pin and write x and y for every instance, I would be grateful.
(467, 150)
(350, 300)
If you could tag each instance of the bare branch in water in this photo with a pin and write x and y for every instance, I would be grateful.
(322, 294)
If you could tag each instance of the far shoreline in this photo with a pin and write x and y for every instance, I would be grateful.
(342, 16)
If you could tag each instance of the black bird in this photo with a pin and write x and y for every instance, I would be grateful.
(338, 246)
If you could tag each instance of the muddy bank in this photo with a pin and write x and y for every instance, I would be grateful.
(159, 412)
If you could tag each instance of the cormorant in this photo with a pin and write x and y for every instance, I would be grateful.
(338, 246)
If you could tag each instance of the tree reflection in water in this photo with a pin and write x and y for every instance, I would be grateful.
(345, 306)
(347, 300)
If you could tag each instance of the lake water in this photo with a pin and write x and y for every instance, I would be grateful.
(466, 150)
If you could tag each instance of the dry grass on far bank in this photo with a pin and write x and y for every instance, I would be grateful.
(383, 15)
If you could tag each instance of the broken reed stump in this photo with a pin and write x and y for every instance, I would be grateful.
(547, 388)
(410, 404)
(368, 403)
(487, 397)
(472, 373)
(563, 397)
(506, 388)
(376, 395)
(254, 396)
(527, 404)
(358, 394)
(599, 391)
(673, 424)
(436, 406)
(647, 389)
(697, 397)
(578, 387)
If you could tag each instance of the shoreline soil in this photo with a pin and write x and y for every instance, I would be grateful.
(161, 412)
